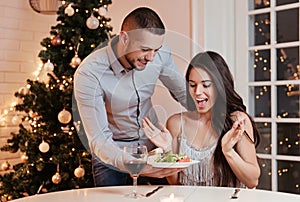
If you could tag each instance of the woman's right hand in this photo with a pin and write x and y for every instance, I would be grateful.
(160, 137)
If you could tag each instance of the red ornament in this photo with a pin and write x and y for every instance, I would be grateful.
(56, 41)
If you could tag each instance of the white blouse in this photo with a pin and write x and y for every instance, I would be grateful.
(200, 174)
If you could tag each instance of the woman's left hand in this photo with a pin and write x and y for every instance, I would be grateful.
(234, 135)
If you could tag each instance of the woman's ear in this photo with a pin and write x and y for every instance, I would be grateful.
(123, 37)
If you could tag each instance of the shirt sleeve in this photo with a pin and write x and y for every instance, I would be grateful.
(172, 77)
(91, 107)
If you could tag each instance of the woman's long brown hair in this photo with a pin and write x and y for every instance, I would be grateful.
(227, 102)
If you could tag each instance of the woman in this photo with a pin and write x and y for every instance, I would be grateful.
(216, 129)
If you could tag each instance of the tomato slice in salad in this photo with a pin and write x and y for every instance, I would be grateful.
(186, 159)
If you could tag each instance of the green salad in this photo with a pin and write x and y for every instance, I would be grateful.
(170, 157)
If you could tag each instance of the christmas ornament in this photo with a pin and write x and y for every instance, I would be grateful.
(48, 66)
(44, 147)
(75, 62)
(64, 116)
(24, 158)
(23, 90)
(5, 165)
(102, 11)
(56, 179)
(69, 10)
(9, 197)
(44, 190)
(2, 121)
(56, 41)
(3, 198)
(6, 198)
(92, 22)
(43, 76)
(79, 172)
(16, 120)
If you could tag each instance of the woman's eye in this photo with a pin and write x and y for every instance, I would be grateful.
(146, 50)
(207, 84)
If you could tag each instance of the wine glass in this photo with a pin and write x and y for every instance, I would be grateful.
(135, 160)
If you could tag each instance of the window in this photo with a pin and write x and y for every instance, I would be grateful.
(274, 89)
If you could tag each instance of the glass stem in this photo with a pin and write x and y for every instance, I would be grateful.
(134, 188)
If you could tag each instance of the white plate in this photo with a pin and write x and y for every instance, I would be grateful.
(172, 164)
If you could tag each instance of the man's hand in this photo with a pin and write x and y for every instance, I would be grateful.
(149, 171)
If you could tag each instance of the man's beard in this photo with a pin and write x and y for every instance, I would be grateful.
(132, 66)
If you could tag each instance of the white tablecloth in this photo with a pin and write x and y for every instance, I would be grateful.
(189, 193)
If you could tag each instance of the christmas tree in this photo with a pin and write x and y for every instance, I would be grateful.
(50, 138)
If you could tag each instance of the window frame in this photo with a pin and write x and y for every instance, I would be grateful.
(242, 33)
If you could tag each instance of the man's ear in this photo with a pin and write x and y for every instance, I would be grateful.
(123, 37)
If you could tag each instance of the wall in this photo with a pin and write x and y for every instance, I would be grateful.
(21, 31)
(219, 29)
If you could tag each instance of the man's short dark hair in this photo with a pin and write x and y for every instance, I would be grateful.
(143, 18)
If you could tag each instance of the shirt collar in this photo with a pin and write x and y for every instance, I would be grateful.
(115, 65)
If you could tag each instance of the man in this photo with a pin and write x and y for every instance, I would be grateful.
(113, 88)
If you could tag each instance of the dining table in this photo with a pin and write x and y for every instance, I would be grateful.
(167, 193)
